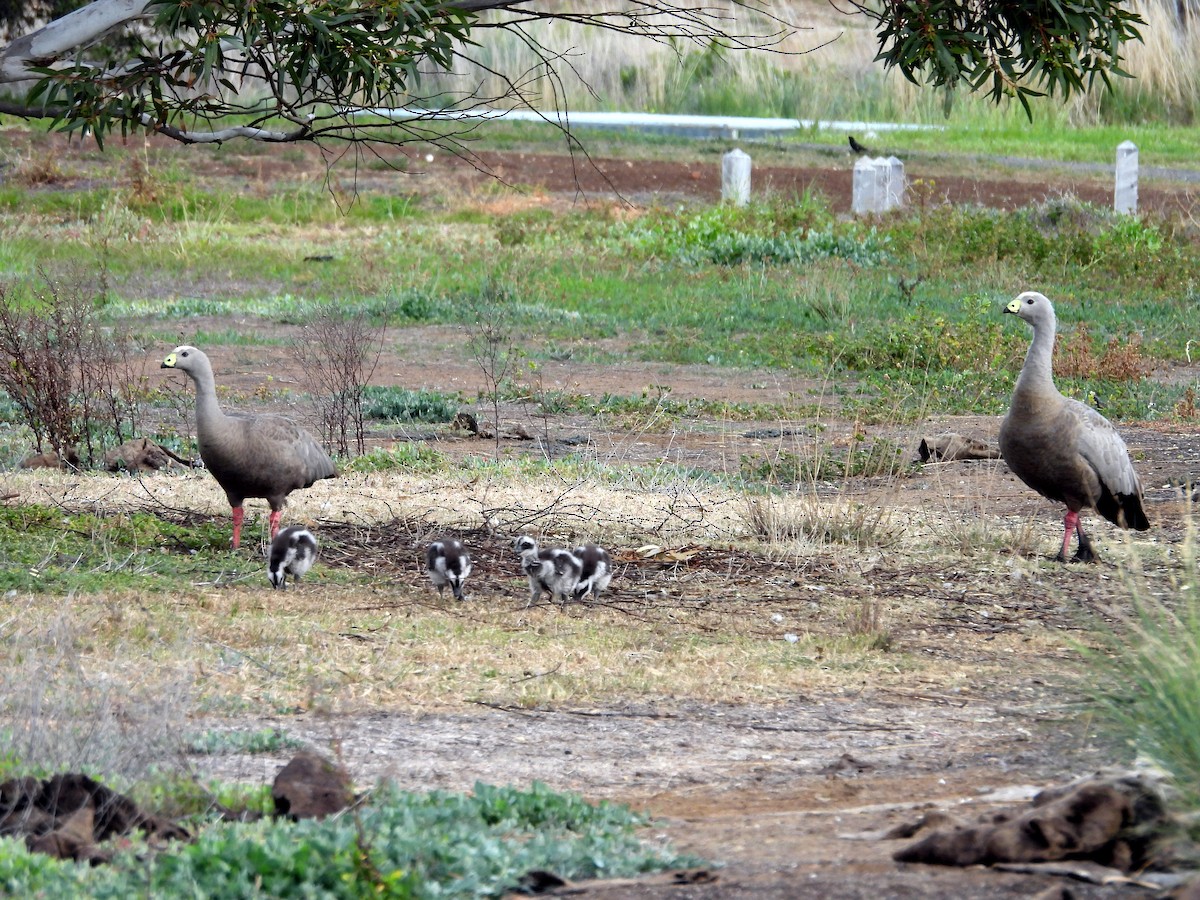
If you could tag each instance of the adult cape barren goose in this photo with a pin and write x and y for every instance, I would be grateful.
(250, 455)
(1063, 449)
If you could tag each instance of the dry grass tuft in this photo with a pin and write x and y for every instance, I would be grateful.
(780, 519)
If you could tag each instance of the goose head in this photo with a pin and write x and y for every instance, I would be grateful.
(1034, 308)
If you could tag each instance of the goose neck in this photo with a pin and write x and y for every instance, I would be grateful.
(1037, 371)
(207, 407)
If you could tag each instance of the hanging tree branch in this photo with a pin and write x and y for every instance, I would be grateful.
(289, 70)
(179, 66)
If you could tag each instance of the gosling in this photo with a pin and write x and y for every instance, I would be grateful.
(448, 564)
(293, 551)
(596, 573)
(554, 571)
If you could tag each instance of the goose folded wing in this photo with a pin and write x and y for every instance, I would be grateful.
(1101, 445)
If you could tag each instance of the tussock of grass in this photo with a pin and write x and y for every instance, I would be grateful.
(91, 686)
(1144, 678)
(780, 519)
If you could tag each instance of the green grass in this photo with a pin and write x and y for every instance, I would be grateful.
(45, 549)
(907, 307)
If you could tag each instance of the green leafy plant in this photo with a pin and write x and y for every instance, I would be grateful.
(397, 845)
(411, 457)
(394, 404)
(260, 740)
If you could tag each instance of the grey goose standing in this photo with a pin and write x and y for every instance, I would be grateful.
(1064, 449)
(265, 456)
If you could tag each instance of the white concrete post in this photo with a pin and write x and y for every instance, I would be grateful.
(863, 199)
(896, 184)
(735, 177)
(882, 176)
(1125, 196)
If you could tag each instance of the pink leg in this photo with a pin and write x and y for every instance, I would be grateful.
(1070, 523)
(238, 515)
(276, 515)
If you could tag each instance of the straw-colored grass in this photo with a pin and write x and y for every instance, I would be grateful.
(825, 69)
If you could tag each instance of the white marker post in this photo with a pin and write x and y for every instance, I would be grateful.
(735, 177)
(863, 200)
(1125, 196)
(896, 184)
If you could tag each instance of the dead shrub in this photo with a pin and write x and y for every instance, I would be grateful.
(73, 379)
(39, 170)
(1076, 358)
(1185, 408)
(338, 353)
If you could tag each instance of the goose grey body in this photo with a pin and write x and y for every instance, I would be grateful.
(552, 570)
(596, 571)
(265, 456)
(1064, 449)
(448, 564)
(292, 552)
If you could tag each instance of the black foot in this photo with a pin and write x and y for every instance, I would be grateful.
(1085, 552)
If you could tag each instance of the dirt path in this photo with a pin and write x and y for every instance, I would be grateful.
(769, 793)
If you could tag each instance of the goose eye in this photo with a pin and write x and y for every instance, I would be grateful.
(1029, 301)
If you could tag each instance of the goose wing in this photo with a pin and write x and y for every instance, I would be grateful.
(1102, 447)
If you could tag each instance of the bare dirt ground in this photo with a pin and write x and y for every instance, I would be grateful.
(768, 791)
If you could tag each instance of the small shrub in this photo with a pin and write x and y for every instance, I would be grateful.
(393, 404)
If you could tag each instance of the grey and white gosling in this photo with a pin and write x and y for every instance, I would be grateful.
(292, 552)
(597, 571)
(553, 570)
(448, 564)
